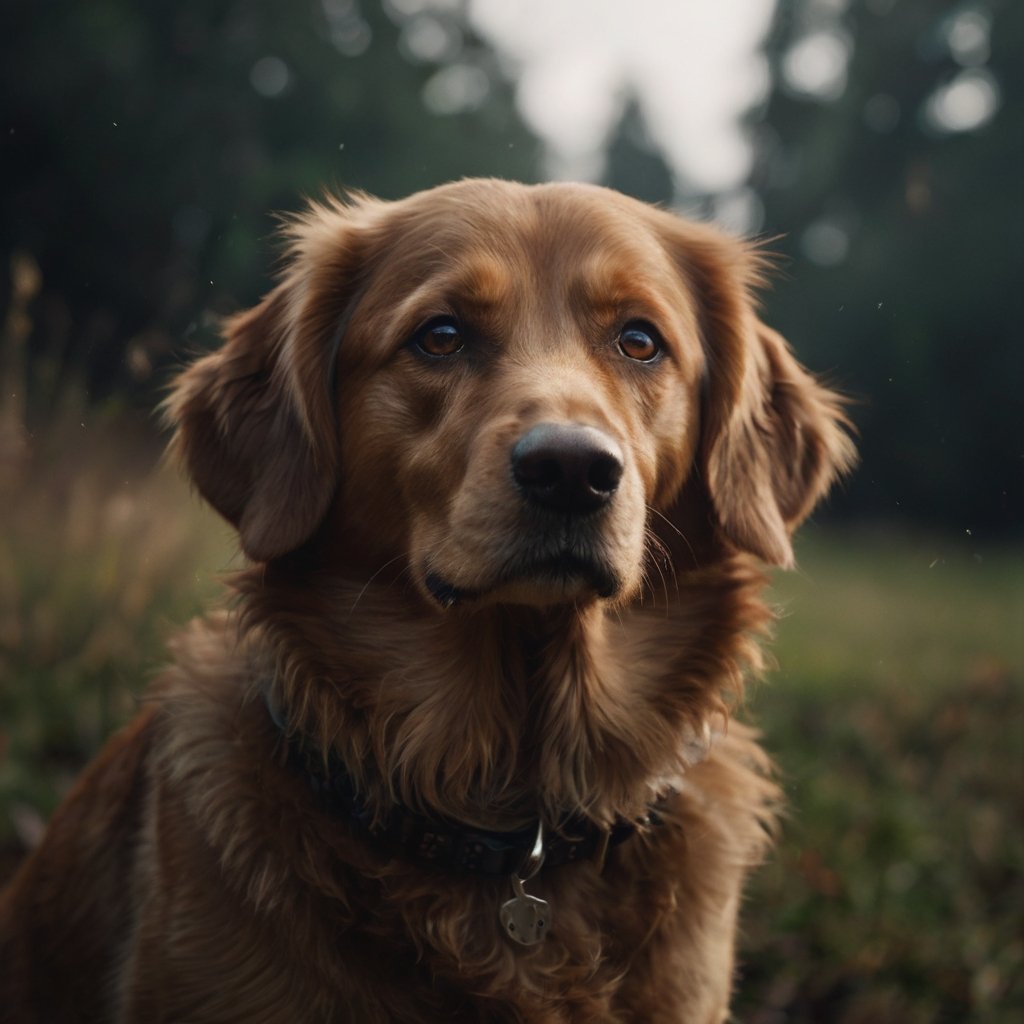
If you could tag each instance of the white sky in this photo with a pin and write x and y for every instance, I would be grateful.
(693, 66)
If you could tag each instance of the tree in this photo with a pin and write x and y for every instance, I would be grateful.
(905, 242)
(144, 146)
(634, 164)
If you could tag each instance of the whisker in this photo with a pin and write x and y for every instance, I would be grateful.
(659, 548)
(675, 529)
(366, 585)
(668, 522)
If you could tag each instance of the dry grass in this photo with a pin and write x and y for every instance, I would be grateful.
(102, 551)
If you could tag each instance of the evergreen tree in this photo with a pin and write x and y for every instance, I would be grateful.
(145, 145)
(905, 241)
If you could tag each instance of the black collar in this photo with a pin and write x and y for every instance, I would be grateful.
(448, 844)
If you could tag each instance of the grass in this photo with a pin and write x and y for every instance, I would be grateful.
(895, 714)
(888, 611)
(101, 555)
(896, 718)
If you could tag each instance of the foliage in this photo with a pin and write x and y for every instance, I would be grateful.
(901, 243)
(146, 145)
(897, 893)
(104, 552)
(905, 247)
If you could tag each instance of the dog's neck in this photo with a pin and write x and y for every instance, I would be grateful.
(498, 715)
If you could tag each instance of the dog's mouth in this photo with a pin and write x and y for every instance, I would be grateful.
(565, 576)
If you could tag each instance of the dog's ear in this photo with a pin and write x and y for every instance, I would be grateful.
(245, 437)
(254, 422)
(773, 438)
(771, 455)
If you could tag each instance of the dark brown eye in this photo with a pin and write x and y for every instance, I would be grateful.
(439, 338)
(639, 342)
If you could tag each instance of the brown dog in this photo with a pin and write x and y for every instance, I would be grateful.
(501, 457)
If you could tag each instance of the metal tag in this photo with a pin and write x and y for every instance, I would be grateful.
(525, 918)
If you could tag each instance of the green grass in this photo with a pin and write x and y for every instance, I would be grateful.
(884, 610)
(895, 715)
(896, 718)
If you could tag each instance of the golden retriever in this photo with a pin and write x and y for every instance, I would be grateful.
(505, 460)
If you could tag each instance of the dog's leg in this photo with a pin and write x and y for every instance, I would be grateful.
(65, 915)
(717, 828)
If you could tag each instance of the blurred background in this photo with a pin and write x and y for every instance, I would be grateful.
(144, 145)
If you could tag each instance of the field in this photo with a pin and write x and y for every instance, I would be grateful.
(897, 893)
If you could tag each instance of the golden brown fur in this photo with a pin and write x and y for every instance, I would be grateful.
(402, 611)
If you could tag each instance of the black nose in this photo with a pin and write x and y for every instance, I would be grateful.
(567, 467)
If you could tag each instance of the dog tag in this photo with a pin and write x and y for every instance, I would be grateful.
(525, 918)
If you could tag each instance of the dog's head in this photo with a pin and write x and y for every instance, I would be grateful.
(501, 389)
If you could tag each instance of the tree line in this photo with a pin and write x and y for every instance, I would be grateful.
(144, 145)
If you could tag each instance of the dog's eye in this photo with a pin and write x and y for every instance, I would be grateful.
(439, 338)
(639, 342)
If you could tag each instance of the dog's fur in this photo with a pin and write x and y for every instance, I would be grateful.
(463, 651)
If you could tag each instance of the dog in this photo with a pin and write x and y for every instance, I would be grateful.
(507, 463)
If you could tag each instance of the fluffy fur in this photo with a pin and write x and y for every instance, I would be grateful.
(192, 875)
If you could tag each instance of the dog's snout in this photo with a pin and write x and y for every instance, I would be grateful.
(569, 468)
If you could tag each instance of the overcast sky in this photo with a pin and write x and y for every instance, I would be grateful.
(693, 65)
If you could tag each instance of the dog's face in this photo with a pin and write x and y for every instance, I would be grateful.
(501, 389)
(534, 386)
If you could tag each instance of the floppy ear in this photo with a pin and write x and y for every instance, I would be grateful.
(770, 460)
(255, 423)
(773, 438)
(254, 427)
